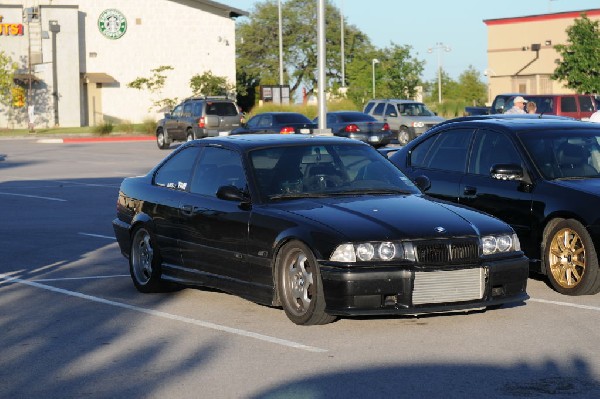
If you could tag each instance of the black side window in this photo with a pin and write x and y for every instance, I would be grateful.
(567, 104)
(175, 173)
(379, 109)
(447, 152)
(491, 148)
(218, 167)
(585, 104)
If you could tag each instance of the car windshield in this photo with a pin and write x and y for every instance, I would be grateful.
(564, 155)
(302, 171)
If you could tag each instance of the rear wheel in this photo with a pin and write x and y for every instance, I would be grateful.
(571, 259)
(162, 139)
(404, 135)
(144, 262)
(299, 285)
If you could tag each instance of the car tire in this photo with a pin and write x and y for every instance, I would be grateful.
(162, 139)
(404, 135)
(299, 285)
(190, 135)
(570, 258)
(144, 262)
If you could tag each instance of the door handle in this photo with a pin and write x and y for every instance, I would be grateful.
(187, 210)
(470, 190)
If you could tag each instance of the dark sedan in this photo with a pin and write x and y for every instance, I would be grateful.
(277, 122)
(359, 126)
(539, 175)
(322, 226)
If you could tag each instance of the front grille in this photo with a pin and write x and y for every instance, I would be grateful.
(447, 251)
(444, 286)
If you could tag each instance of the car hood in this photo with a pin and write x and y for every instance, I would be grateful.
(393, 217)
(589, 185)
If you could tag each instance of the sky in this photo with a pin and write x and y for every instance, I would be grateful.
(422, 24)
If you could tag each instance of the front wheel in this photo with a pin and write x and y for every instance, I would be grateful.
(144, 262)
(299, 285)
(404, 135)
(570, 258)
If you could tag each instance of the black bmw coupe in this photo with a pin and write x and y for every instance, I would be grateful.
(321, 226)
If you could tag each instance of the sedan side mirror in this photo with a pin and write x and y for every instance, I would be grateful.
(422, 182)
(231, 193)
(507, 172)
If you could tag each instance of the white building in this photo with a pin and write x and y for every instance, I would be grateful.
(88, 51)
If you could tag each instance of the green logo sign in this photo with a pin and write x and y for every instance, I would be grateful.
(112, 23)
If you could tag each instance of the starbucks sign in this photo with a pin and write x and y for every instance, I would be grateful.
(112, 23)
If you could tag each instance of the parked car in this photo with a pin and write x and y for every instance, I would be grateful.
(406, 118)
(198, 117)
(277, 122)
(539, 175)
(322, 226)
(359, 126)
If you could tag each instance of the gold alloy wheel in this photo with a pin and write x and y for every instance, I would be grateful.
(567, 258)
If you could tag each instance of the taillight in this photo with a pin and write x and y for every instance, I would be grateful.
(201, 122)
(287, 130)
(385, 127)
(352, 128)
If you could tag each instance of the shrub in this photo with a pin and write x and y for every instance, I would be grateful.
(104, 128)
(126, 127)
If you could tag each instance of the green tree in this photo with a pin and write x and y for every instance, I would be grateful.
(7, 72)
(154, 84)
(400, 72)
(580, 64)
(208, 84)
(258, 46)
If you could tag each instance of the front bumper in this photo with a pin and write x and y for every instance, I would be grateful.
(391, 290)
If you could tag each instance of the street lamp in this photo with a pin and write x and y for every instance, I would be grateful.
(375, 61)
(439, 47)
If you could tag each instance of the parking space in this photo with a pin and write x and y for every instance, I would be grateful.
(73, 324)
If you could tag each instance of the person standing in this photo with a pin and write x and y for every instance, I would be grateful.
(518, 106)
(531, 107)
(31, 117)
(595, 117)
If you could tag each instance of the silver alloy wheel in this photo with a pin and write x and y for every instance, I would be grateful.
(403, 136)
(298, 282)
(142, 255)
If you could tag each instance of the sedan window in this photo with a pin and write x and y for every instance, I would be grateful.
(447, 151)
(176, 171)
(217, 167)
(491, 148)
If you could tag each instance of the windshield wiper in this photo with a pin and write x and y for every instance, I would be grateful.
(371, 191)
(298, 195)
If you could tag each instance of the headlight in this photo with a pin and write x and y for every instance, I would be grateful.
(372, 251)
(418, 124)
(501, 243)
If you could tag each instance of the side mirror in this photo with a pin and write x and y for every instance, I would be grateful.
(507, 172)
(423, 183)
(231, 193)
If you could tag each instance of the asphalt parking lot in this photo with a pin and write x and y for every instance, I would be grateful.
(74, 326)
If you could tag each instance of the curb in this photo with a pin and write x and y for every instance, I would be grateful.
(72, 140)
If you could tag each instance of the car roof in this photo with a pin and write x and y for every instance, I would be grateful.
(250, 141)
(522, 122)
(397, 100)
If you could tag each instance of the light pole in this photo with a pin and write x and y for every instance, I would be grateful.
(342, 45)
(54, 28)
(439, 47)
(280, 48)
(375, 61)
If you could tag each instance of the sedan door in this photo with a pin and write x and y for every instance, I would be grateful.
(508, 200)
(215, 235)
(443, 160)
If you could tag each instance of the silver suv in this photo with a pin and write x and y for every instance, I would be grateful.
(407, 118)
(198, 117)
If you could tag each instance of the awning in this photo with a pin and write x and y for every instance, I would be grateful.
(98, 77)
(25, 77)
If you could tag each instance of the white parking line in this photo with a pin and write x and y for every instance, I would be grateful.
(34, 196)
(97, 236)
(45, 280)
(572, 305)
(169, 316)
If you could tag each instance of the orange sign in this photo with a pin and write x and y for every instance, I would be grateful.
(11, 29)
